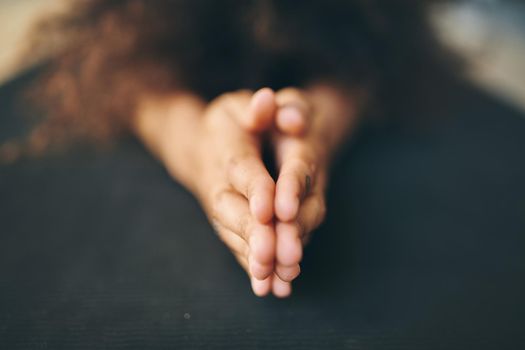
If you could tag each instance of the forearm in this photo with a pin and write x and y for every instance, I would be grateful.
(168, 127)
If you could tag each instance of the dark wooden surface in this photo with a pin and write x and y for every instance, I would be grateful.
(423, 248)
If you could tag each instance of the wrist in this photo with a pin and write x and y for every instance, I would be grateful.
(169, 126)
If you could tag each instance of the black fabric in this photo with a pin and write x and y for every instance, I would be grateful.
(423, 247)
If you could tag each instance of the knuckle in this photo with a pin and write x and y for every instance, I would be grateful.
(299, 166)
(237, 165)
(250, 188)
(216, 205)
(238, 159)
(244, 225)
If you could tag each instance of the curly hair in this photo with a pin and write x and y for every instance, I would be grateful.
(111, 51)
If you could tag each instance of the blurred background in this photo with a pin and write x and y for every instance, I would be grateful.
(103, 250)
(490, 34)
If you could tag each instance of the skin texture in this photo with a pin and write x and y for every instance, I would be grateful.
(215, 151)
(145, 52)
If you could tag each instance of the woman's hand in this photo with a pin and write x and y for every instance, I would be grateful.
(305, 130)
(209, 150)
(215, 151)
(303, 155)
(236, 190)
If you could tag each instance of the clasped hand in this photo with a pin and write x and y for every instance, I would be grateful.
(215, 150)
